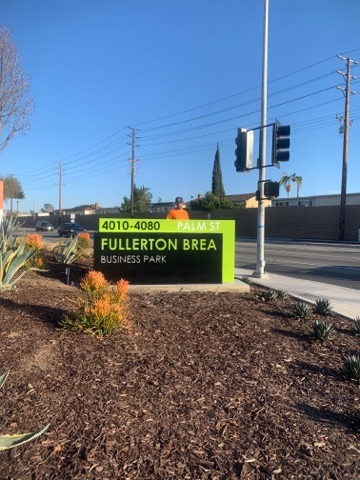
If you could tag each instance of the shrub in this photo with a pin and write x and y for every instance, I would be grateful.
(352, 366)
(323, 306)
(323, 330)
(102, 307)
(301, 310)
(34, 241)
(11, 441)
(84, 241)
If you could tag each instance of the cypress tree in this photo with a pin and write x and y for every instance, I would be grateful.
(217, 187)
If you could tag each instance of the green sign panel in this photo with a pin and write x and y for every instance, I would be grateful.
(151, 251)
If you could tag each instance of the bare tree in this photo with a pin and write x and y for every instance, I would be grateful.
(15, 101)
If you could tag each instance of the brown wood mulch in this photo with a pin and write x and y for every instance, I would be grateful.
(202, 386)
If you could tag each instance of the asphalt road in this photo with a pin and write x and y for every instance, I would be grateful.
(332, 263)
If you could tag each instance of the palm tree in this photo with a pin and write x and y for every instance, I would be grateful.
(285, 181)
(298, 181)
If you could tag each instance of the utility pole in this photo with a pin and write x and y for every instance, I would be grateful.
(260, 262)
(347, 92)
(133, 140)
(60, 186)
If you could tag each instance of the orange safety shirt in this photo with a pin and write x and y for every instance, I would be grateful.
(178, 214)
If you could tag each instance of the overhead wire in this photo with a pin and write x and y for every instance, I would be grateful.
(235, 94)
(88, 156)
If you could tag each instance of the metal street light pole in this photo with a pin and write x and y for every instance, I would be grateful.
(260, 262)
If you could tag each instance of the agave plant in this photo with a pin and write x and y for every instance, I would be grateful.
(9, 226)
(352, 365)
(301, 310)
(269, 295)
(68, 252)
(13, 257)
(282, 294)
(356, 323)
(323, 306)
(323, 330)
(11, 441)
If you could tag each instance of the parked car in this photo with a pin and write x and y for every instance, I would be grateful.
(44, 226)
(70, 229)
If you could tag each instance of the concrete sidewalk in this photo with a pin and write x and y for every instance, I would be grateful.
(345, 301)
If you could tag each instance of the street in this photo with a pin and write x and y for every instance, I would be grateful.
(333, 263)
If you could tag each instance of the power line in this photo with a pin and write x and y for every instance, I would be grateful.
(236, 94)
(101, 153)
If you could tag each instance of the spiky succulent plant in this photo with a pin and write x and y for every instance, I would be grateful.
(323, 330)
(13, 257)
(68, 252)
(323, 306)
(356, 324)
(301, 310)
(352, 365)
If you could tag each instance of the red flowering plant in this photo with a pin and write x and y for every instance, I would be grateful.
(34, 241)
(84, 241)
(102, 308)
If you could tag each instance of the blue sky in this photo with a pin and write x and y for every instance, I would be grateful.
(186, 74)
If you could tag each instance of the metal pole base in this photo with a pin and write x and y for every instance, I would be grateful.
(257, 274)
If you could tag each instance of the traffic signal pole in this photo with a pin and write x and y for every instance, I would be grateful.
(260, 260)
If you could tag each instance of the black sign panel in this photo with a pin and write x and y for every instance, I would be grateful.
(159, 258)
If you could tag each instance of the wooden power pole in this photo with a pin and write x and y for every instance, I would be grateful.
(133, 140)
(347, 92)
(60, 187)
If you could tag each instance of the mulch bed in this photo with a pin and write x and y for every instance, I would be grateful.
(201, 386)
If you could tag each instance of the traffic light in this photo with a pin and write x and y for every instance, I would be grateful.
(271, 189)
(244, 150)
(280, 144)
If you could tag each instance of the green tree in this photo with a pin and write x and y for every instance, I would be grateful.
(286, 180)
(210, 202)
(217, 187)
(12, 188)
(48, 207)
(142, 200)
(15, 102)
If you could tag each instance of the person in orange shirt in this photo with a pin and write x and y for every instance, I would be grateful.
(178, 212)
